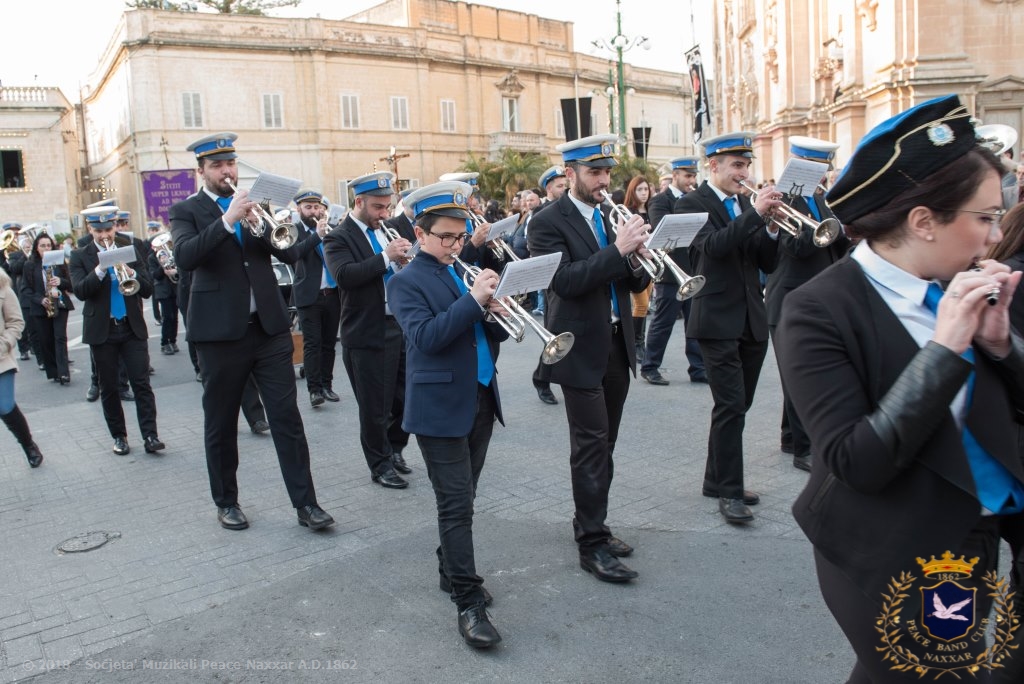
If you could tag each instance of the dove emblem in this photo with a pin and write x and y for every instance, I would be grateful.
(944, 613)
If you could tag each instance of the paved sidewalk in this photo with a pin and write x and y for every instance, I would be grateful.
(360, 602)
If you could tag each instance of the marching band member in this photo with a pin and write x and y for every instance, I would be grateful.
(474, 251)
(799, 261)
(362, 258)
(47, 291)
(589, 296)
(11, 326)
(451, 388)
(553, 183)
(911, 391)
(238, 320)
(115, 328)
(165, 297)
(315, 296)
(728, 317)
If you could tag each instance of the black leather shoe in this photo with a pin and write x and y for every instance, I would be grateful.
(34, 456)
(619, 548)
(329, 395)
(445, 585)
(121, 447)
(64, 380)
(127, 396)
(316, 399)
(166, 349)
(93, 394)
(749, 498)
(389, 479)
(399, 463)
(24, 356)
(314, 517)
(232, 518)
(734, 511)
(153, 444)
(802, 463)
(653, 377)
(476, 628)
(786, 448)
(546, 395)
(605, 567)
(174, 347)
(259, 427)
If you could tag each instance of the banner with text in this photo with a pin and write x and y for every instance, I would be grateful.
(699, 86)
(161, 189)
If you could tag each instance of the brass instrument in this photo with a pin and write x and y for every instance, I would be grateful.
(283, 233)
(660, 260)
(53, 294)
(825, 231)
(996, 137)
(126, 284)
(518, 319)
(8, 241)
(165, 254)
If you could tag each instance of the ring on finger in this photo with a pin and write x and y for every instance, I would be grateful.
(954, 294)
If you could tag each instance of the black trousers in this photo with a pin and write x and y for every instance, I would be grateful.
(733, 367)
(377, 377)
(660, 330)
(53, 342)
(168, 310)
(791, 428)
(454, 465)
(319, 323)
(30, 336)
(226, 368)
(594, 414)
(122, 346)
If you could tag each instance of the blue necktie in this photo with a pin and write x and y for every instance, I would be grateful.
(602, 242)
(117, 307)
(224, 203)
(327, 272)
(484, 363)
(813, 207)
(377, 249)
(998, 490)
(730, 206)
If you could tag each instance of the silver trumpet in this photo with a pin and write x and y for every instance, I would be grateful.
(825, 231)
(165, 254)
(519, 319)
(283, 233)
(126, 284)
(660, 261)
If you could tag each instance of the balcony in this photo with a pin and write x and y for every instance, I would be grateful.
(31, 97)
(520, 142)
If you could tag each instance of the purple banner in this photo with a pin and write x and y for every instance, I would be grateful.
(161, 189)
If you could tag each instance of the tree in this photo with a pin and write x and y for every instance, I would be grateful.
(254, 7)
(630, 166)
(520, 171)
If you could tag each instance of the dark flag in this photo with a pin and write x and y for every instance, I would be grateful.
(569, 105)
(701, 105)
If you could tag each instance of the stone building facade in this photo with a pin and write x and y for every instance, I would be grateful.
(835, 68)
(39, 157)
(325, 101)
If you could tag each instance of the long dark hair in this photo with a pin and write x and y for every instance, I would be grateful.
(1012, 243)
(34, 254)
(631, 202)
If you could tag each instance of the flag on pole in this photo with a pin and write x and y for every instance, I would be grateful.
(701, 105)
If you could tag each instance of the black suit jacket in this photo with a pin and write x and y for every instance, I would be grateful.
(728, 253)
(842, 349)
(661, 204)
(578, 299)
(799, 260)
(95, 293)
(223, 272)
(33, 289)
(163, 288)
(309, 268)
(360, 277)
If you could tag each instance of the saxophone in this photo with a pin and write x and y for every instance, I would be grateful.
(53, 294)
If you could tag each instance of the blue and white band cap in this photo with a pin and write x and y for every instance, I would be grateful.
(812, 148)
(691, 164)
(462, 176)
(594, 150)
(448, 198)
(739, 143)
(379, 183)
(123, 215)
(216, 146)
(551, 174)
(100, 217)
(12, 225)
(308, 196)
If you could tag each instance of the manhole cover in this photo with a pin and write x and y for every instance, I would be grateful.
(86, 542)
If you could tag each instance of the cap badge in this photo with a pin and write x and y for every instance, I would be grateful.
(459, 199)
(607, 149)
(382, 182)
(940, 134)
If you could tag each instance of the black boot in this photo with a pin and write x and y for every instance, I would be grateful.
(639, 333)
(16, 423)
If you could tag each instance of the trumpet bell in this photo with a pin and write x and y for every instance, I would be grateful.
(7, 239)
(557, 347)
(284, 235)
(128, 287)
(827, 232)
(996, 137)
(690, 287)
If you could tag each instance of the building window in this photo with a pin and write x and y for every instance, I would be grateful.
(273, 111)
(559, 125)
(447, 116)
(11, 168)
(399, 113)
(192, 110)
(673, 133)
(350, 111)
(510, 114)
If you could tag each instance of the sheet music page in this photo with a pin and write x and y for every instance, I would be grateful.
(801, 177)
(121, 255)
(336, 214)
(55, 257)
(676, 230)
(499, 228)
(278, 190)
(528, 275)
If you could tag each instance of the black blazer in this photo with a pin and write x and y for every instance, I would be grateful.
(163, 288)
(578, 299)
(799, 260)
(223, 272)
(95, 293)
(33, 289)
(661, 204)
(728, 253)
(308, 268)
(842, 348)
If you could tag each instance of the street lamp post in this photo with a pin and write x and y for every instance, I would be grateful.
(620, 44)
